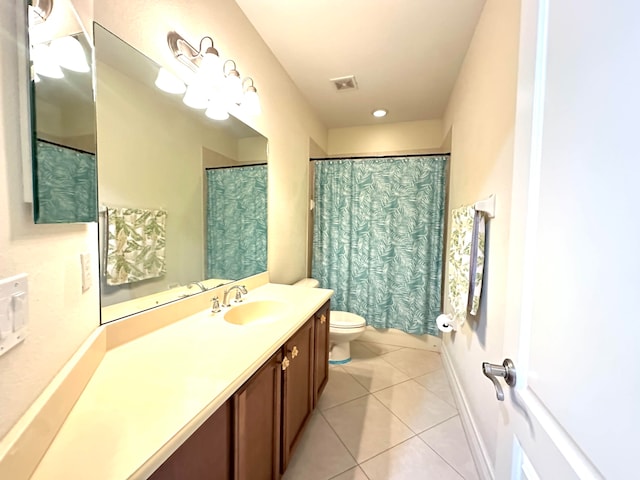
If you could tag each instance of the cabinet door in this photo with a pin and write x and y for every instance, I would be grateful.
(297, 388)
(321, 348)
(257, 423)
(204, 455)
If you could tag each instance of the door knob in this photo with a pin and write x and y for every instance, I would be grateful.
(507, 371)
(285, 364)
(294, 352)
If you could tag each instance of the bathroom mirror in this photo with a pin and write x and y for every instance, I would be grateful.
(153, 154)
(63, 115)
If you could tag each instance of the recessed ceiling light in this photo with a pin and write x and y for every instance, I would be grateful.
(381, 112)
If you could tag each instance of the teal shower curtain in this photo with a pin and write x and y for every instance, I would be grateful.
(236, 221)
(378, 238)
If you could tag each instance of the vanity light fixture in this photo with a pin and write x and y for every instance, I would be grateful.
(251, 99)
(379, 113)
(232, 82)
(39, 11)
(215, 85)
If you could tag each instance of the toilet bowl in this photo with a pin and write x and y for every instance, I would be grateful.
(343, 328)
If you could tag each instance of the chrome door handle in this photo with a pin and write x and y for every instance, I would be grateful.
(507, 371)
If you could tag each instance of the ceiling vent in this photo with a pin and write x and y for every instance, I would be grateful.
(345, 83)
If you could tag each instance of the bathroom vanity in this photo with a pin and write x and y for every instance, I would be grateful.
(198, 397)
(253, 434)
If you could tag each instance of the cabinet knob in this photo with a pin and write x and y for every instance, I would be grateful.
(294, 352)
(285, 364)
(323, 318)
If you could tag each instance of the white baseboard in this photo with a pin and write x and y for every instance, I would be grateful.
(392, 336)
(478, 449)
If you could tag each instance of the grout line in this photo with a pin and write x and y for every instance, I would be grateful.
(340, 439)
(438, 454)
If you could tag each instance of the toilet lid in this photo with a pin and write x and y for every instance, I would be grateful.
(346, 320)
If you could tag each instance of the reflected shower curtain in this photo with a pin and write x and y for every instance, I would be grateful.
(378, 238)
(236, 221)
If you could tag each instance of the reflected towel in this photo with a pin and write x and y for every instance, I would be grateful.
(136, 245)
(466, 262)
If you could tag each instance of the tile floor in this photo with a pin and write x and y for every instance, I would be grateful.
(389, 414)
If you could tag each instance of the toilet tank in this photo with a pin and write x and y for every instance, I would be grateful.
(307, 282)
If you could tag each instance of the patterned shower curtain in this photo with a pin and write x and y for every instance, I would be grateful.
(236, 221)
(378, 238)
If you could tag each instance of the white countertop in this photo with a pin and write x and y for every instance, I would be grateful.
(149, 395)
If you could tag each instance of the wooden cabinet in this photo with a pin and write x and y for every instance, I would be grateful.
(257, 406)
(298, 388)
(253, 435)
(321, 352)
(205, 455)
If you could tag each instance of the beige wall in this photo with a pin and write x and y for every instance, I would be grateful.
(60, 315)
(480, 115)
(424, 136)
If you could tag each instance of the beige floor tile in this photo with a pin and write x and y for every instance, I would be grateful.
(366, 427)
(450, 442)
(438, 383)
(416, 406)
(360, 351)
(411, 460)
(414, 362)
(340, 388)
(320, 454)
(353, 474)
(375, 374)
(380, 348)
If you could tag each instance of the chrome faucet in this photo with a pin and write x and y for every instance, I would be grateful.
(240, 290)
(202, 287)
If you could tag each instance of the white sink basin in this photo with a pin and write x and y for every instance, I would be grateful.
(260, 310)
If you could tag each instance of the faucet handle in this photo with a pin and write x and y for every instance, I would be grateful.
(239, 291)
(215, 304)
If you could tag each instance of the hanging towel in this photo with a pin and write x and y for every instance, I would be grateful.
(466, 262)
(135, 245)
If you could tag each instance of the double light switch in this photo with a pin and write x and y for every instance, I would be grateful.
(13, 311)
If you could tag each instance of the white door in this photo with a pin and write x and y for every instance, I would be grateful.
(574, 261)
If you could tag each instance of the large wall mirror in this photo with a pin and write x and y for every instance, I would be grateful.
(182, 197)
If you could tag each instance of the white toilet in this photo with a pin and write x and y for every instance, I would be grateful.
(343, 327)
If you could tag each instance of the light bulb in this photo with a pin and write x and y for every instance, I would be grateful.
(379, 113)
(216, 110)
(168, 82)
(252, 101)
(68, 52)
(233, 87)
(195, 97)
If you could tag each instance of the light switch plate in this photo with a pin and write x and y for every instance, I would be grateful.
(85, 262)
(14, 311)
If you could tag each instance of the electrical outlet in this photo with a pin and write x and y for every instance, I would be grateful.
(85, 263)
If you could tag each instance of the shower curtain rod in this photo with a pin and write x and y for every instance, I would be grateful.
(375, 157)
(235, 166)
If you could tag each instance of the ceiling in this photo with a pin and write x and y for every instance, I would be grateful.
(405, 54)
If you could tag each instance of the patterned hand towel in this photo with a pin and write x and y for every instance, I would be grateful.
(466, 262)
(136, 244)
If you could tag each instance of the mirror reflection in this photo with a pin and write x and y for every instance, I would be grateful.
(64, 140)
(178, 191)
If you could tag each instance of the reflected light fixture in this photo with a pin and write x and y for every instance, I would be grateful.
(69, 54)
(43, 62)
(168, 82)
(379, 113)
